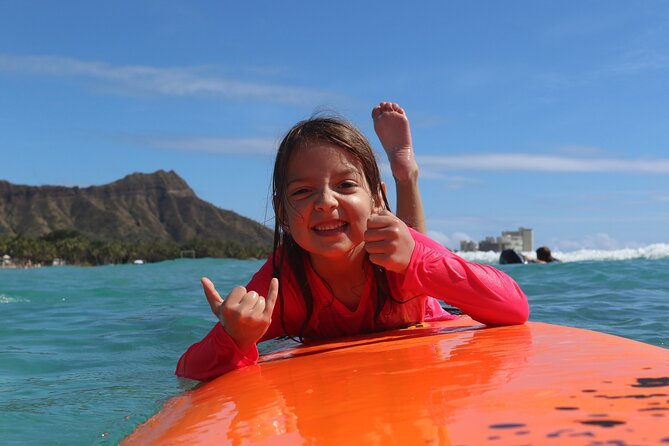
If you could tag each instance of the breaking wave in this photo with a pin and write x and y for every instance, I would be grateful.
(654, 251)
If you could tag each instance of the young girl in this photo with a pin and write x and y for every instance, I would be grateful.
(342, 263)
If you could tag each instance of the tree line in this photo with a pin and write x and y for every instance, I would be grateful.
(76, 248)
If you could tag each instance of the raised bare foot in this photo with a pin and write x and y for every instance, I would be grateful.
(392, 127)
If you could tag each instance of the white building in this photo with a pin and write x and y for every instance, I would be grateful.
(468, 245)
(521, 240)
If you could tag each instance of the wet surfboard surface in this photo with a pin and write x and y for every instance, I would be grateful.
(443, 383)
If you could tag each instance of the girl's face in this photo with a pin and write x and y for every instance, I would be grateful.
(328, 201)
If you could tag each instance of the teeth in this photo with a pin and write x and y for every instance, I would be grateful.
(329, 226)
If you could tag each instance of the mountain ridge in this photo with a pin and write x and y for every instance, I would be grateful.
(158, 206)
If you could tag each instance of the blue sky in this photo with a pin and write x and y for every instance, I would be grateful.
(548, 115)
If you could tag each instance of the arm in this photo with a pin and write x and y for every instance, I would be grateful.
(483, 292)
(409, 203)
(225, 349)
(213, 356)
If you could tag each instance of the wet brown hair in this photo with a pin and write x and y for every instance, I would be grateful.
(343, 134)
(544, 254)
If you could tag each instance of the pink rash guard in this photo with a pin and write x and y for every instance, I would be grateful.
(483, 292)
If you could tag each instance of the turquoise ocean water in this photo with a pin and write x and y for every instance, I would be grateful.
(87, 353)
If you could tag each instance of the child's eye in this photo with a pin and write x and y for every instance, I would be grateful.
(300, 191)
(348, 185)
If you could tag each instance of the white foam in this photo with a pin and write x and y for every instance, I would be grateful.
(654, 251)
(4, 299)
(480, 256)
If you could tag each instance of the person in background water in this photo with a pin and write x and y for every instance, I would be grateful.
(544, 255)
(342, 263)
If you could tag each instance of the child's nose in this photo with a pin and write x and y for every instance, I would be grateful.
(326, 200)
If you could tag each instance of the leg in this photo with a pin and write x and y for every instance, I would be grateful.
(392, 127)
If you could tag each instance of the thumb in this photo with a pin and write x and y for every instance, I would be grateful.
(378, 219)
(214, 299)
(272, 296)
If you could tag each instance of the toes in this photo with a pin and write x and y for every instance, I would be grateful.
(386, 107)
(392, 107)
(396, 108)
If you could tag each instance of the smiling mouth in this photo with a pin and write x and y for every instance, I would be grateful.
(330, 228)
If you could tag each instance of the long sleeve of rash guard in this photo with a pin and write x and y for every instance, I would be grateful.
(217, 353)
(485, 293)
(213, 356)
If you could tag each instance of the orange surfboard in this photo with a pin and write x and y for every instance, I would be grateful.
(445, 383)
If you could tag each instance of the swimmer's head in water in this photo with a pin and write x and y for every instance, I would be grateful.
(544, 254)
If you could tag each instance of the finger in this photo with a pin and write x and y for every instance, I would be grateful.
(235, 296)
(380, 219)
(376, 247)
(379, 259)
(249, 300)
(272, 296)
(386, 233)
(214, 299)
(259, 307)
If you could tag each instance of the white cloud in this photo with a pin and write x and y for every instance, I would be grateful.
(579, 27)
(439, 237)
(455, 183)
(661, 198)
(541, 163)
(450, 182)
(243, 146)
(640, 60)
(428, 173)
(460, 236)
(189, 81)
(575, 149)
(631, 63)
(452, 241)
(600, 240)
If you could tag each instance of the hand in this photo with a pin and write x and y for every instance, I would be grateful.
(388, 242)
(245, 315)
